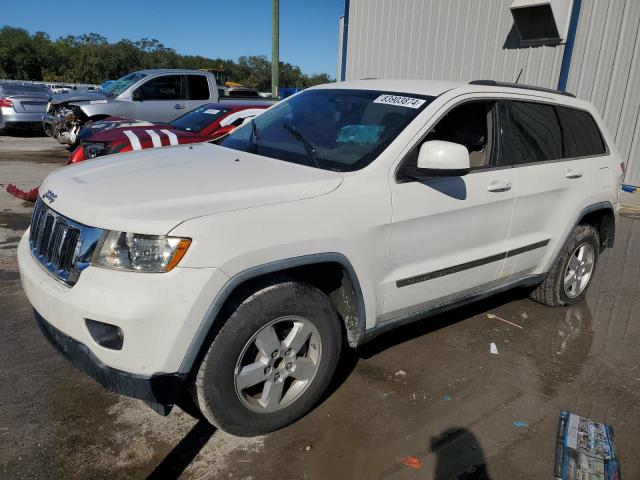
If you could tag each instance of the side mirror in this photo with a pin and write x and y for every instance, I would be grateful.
(437, 158)
(137, 95)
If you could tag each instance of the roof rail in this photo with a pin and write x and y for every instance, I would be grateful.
(493, 83)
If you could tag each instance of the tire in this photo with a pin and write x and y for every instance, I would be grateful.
(242, 346)
(552, 291)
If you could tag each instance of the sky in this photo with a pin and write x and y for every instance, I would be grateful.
(213, 28)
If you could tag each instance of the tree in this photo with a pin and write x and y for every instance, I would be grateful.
(90, 58)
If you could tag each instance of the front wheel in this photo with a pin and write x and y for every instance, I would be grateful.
(570, 277)
(271, 361)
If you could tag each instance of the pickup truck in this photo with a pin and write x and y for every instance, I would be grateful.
(158, 95)
(232, 275)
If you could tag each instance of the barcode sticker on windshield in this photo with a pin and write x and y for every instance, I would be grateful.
(400, 101)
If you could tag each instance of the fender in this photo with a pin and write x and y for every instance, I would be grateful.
(107, 109)
(611, 229)
(355, 332)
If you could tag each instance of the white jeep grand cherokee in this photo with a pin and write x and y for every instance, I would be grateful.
(227, 278)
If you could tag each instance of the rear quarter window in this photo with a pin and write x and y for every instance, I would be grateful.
(530, 133)
(198, 87)
(582, 137)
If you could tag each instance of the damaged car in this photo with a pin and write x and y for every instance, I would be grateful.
(158, 95)
(209, 123)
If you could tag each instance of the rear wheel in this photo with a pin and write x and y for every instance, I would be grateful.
(570, 277)
(271, 361)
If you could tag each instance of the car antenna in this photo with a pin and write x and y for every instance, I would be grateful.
(521, 70)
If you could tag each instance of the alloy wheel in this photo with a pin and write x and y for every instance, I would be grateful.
(278, 364)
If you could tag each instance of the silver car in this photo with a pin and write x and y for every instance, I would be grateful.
(158, 95)
(22, 105)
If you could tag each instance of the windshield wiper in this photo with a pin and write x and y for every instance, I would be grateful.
(307, 146)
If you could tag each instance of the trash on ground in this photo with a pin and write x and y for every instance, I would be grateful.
(493, 349)
(307, 448)
(491, 315)
(524, 315)
(585, 449)
(30, 196)
(520, 424)
(412, 462)
(401, 373)
(629, 188)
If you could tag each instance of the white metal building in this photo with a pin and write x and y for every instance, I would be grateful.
(587, 47)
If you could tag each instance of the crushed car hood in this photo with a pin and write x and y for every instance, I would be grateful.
(152, 191)
(75, 97)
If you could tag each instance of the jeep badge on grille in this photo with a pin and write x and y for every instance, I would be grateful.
(49, 196)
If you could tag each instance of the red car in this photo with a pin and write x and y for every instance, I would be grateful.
(204, 124)
(116, 134)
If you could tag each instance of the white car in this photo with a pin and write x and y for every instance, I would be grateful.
(231, 275)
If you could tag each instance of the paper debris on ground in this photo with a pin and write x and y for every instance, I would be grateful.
(493, 349)
(401, 373)
(412, 462)
(491, 315)
(585, 449)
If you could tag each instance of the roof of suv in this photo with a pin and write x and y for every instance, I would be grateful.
(436, 88)
(155, 71)
(422, 87)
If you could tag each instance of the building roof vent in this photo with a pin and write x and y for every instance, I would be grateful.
(541, 22)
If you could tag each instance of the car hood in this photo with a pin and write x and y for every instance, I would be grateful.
(75, 97)
(152, 191)
(109, 135)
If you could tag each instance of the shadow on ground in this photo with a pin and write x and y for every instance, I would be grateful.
(178, 459)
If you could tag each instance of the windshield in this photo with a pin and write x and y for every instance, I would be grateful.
(123, 83)
(197, 119)
(332, 129)
(107, 85)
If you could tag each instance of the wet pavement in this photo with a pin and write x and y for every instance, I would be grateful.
(431, 390)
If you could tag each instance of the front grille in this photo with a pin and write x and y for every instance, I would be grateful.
(53, 241)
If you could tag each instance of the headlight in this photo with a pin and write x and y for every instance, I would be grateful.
(93, 150)
(140, 253)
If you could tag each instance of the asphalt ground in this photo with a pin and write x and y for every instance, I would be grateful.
(431, 390)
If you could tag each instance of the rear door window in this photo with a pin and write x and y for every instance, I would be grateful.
(582, 137)
(198, 87)
(168, 87)
(530, 133)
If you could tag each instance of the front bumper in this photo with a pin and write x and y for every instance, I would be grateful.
(158, 313)
(51, 125)
(57, 127)
(158, 391)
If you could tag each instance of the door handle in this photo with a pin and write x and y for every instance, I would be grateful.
(573, 173)
(177, 106)
(499, 186)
